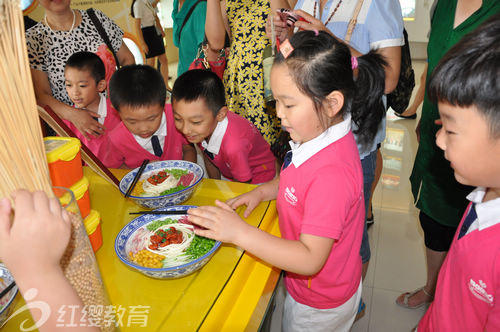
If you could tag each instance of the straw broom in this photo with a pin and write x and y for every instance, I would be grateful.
(22, 155)
(23, 163)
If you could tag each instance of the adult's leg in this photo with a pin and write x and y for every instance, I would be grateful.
(368, 166)
(438, 239)
(164, 68)
(434, 260)
(379, 165)
(151, 61)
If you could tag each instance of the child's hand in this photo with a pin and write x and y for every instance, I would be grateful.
(251, 199)
(220, 222)
(84, 121)
(38, 236)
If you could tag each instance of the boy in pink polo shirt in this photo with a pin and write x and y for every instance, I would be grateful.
(465, 84)
(232, 146)
(147, 130)
(85, 84)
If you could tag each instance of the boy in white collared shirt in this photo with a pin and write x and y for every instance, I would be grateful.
(465, 86)
(147, 130)
(232, 146)
(84, 76)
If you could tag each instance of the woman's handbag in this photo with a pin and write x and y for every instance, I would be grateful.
(201, 61)
(399, 99)
(105, 52)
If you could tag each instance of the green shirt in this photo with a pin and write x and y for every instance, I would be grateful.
(434, 187)
(191, 36)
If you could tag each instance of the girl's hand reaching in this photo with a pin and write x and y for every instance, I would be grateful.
(250, 199)
(220, 222)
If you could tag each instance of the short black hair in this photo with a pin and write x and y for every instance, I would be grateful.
(87, 61)
(137, 85)
(199, 83)
(469, 74)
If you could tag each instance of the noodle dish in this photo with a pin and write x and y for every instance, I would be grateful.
(163, 183)
(164, 246)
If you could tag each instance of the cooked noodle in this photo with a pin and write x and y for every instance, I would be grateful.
(174, 253)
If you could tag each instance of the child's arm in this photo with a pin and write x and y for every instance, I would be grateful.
(305, 256)
(189, 153)
(37, 221)
(264, 192)
(212, 170)
(83, 121)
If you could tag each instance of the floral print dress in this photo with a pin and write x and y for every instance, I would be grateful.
(243, 77)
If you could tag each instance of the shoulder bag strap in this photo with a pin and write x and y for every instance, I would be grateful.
(189, 15)
(353, 21)
(102, 33)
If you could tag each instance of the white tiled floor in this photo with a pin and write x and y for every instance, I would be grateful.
(398, 262)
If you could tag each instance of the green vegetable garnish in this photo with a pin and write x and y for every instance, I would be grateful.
(177, 172)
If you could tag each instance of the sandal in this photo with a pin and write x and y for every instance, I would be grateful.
(408, 295)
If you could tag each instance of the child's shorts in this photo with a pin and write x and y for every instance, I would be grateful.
(300, 317)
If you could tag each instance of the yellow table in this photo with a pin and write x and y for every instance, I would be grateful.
(230, 293)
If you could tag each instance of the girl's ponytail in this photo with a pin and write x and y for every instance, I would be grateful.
(367, 109)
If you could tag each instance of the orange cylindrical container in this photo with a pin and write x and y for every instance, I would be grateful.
(93, 227)
(81, 191)
(65, 161)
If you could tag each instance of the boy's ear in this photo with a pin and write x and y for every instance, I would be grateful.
(101, 85)
(334, 103)
(222, 113)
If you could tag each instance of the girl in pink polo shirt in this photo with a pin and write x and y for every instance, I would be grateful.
(320, 189)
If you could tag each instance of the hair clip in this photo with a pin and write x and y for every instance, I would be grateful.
(354, 62)
(286, 48)
(316, 32)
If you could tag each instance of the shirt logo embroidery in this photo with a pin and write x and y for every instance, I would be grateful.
(479, 291)
(289, 196)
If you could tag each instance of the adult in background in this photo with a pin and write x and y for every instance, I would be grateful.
(440, 198)
(150, 33)
(62, 32)
(245, 23)
(188, 30)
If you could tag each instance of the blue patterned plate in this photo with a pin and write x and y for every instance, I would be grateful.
(123, 244)
(176, 198)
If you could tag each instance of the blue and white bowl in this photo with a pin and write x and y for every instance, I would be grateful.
(123, 245)
(7, 302)
(176, 198)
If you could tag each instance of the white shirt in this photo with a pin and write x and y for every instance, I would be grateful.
(488, 213)
(161, 132)
(103, 108)
(301, 152)
(145, 11)
(215, 141)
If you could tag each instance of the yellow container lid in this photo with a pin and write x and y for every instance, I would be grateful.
(80, 188)
(92, 221)
(61, 148)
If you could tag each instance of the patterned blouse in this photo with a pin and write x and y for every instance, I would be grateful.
(49, 50)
